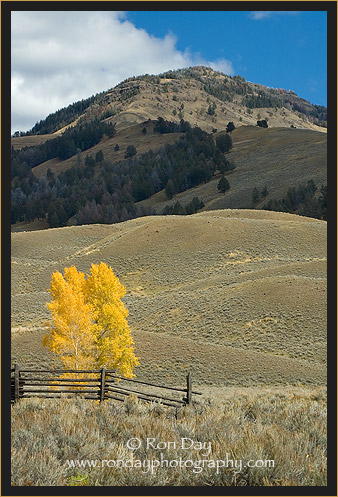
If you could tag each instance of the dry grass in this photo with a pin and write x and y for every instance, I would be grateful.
(235, 296)
(30, 141)
(238, 297)
(277, 158)
(288, 427)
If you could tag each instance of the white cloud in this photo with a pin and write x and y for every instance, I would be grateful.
(258, 15)
(222, 65)
(61, 57)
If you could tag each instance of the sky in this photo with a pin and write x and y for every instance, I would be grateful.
(58, 58)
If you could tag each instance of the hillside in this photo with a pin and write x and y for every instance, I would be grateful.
(140, 98)
(110, 158)
(236, 296)
(276, 158)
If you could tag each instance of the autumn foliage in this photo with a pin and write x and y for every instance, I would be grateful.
(89, 328)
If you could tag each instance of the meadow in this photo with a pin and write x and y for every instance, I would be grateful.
(282, 433)
(236, 297)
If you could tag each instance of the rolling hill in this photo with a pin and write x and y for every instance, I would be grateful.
(236, 296)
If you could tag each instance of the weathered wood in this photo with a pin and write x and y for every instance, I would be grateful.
(102, 384)
(150, 384)
(59, 391)
(189, 396)
(77, 380)
(106, 385)
(16, 382)
(110, 396)
(92, 371)
(37, 396)
(75, 385)
(129, 390)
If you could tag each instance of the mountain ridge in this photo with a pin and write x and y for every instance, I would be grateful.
(230, 92)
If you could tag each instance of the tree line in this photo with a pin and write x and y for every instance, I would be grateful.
(305, 200)
(72, 141)
(103, 191)
(59, 119)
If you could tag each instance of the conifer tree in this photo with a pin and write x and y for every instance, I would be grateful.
(223, 185)
(230, 127)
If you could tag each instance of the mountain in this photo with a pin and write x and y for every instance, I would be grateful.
(236, 296)
(210, 100)
(115, 156)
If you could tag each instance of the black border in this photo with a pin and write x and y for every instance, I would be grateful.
(6, 8)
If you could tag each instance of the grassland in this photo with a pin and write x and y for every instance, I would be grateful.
(284, 430)
(236, 296)
(277, 158)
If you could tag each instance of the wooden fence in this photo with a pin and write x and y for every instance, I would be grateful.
(98, 385)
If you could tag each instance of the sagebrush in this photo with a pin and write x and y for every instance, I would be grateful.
(289, 428)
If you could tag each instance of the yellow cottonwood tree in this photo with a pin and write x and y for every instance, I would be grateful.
(90, 328)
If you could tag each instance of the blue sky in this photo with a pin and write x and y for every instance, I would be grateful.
(60, 57)
(286, 50)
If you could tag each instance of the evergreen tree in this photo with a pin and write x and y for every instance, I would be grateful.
(262, 124)
(89, 161)
(170, 189)
(130, 152)
(52, 218)
(264, 192)
(224, 143)
(223, 185)
(99, 156)
(255, 196)
(178, 209)
(230, 127)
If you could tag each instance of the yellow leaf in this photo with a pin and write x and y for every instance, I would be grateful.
(89, 321)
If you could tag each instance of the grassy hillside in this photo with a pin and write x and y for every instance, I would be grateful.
(277, 158)
(274, 158)
(236, 296)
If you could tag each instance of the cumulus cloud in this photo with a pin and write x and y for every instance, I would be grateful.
(222, 65)
(61, 57)
(258, 15)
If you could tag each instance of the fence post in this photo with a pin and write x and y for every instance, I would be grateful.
(103, 380)
(189, 392)
(16, 382)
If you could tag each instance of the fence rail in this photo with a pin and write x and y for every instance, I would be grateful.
(105, 384)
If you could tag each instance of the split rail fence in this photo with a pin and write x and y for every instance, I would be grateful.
(97, 385)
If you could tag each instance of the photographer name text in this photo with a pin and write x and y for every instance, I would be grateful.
(184, 443)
